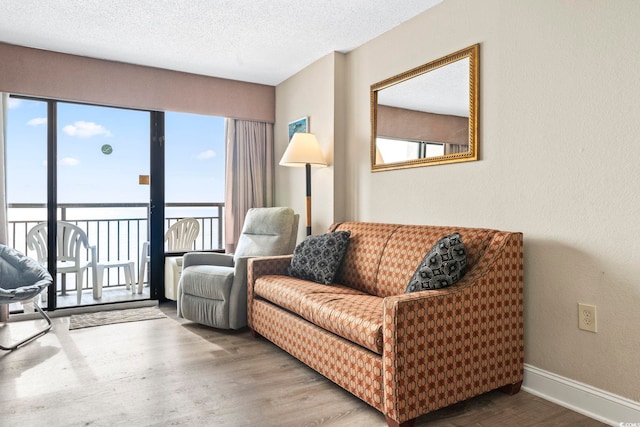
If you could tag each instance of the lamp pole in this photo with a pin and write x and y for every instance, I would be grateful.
(304, 150)
(308, 172)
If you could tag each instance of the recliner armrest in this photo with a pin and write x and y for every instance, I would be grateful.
(207, 258)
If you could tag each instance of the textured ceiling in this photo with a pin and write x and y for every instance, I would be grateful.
(261, 41)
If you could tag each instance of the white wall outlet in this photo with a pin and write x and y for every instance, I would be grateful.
(587, 317)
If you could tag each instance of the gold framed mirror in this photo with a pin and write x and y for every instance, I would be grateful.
(428, 115)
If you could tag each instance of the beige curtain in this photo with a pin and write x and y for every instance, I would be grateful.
(455, 148)
(249, 174)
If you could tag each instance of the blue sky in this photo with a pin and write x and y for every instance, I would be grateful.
(194, 154)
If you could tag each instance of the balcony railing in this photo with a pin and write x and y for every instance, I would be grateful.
(118, 230)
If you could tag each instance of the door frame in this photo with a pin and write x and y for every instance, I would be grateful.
(156, 195)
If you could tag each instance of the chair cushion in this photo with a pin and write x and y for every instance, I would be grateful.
(207, 281)
(266, 231)
(318, 258)
(22, 277)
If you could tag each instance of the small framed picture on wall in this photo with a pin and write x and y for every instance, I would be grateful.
(300, 125)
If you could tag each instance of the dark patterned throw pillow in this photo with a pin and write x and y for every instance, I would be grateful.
(318, 258)
(443, 265)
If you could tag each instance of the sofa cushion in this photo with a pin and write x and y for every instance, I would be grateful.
(357, 318)
(350, 313)
(318, 258)
(367, 243)
(288, 292)
(443, 265)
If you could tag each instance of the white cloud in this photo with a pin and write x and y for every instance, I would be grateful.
(69, 161)
(37, 121)
(14, 103)
(83, 129)
(206, 155)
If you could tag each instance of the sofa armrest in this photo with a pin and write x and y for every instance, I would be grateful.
(207, 258)
(263, 266)
(444, 346)
(267, 266)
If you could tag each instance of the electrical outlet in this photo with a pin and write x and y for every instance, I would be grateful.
(587, 317)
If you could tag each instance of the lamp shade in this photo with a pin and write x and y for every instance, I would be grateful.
(302, 149)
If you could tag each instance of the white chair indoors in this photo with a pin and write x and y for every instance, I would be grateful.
(180, 237)
(22, 279)
(74, 254)
(213, 286)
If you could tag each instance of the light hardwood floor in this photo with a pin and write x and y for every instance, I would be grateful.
(173, 372)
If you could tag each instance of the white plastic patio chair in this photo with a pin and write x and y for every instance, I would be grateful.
(179, 238)
(22, 279)
(72, 245)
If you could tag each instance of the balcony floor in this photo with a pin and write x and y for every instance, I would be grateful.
(109, 295)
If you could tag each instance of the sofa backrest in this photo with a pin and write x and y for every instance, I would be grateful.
(381, 258)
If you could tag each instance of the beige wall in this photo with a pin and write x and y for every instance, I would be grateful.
(55, 75)
(559, 124)
(311, 93)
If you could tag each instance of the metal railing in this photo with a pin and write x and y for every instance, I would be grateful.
(118, 230)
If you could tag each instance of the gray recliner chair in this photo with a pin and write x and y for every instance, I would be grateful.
(213, 286)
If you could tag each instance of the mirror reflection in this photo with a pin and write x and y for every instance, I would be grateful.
(426, 115)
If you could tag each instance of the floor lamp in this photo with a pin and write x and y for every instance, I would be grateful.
(304, 150)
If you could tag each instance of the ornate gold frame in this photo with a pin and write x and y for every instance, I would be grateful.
(472, 53)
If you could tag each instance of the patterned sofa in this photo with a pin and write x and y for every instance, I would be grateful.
(404, 354)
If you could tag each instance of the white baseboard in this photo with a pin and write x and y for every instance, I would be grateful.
(598, 404)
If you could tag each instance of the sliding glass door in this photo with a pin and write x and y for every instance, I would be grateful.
(97, 174)
(83, 170)
(101, 154)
